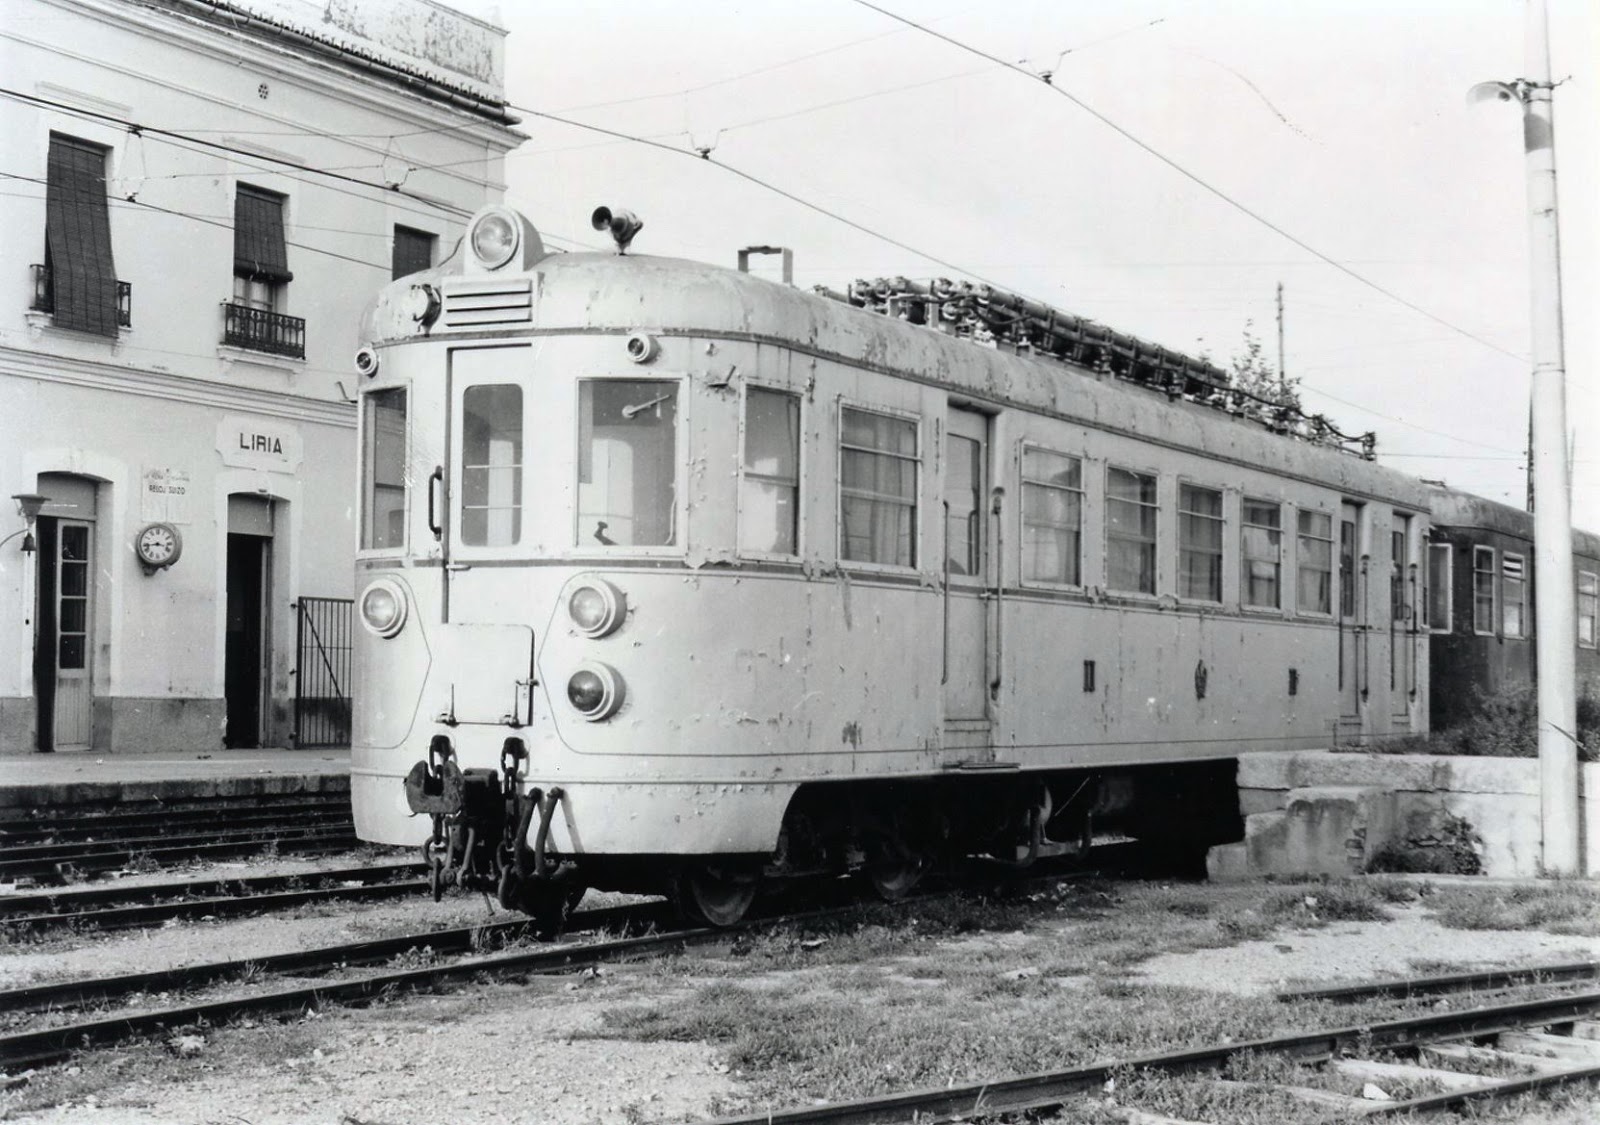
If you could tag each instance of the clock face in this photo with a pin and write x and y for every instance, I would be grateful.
(158, 544)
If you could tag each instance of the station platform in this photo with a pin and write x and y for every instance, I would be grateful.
(81, 777)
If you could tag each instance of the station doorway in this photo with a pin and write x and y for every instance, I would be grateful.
(248, 637)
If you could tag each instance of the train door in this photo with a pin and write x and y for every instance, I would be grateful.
(1402, 623)
(1352, 623)
(966, 586)
(248, 626)
(485, 602)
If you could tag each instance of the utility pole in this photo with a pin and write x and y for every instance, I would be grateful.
(1549, 480)
(1555, 610)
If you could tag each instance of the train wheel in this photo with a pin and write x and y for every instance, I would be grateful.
(896, 861)
(714, 895)
(894, 879)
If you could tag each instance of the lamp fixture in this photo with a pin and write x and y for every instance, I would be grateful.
(29, 505)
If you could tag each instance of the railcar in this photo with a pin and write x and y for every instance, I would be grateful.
(676, 579)
(1480, 603)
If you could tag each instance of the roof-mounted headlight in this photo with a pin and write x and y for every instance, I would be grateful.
(494, 238)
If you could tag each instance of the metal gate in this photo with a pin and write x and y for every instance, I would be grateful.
(322, 672)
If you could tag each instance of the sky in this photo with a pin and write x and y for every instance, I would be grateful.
(1401, 213)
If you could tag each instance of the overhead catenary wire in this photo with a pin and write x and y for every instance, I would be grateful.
(140, 129)
(174, 136)
(767, 185)
(1195, 178)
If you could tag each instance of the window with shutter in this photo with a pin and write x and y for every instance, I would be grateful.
(254, 318)
(259, 248)
(78, 237)
(413, 251)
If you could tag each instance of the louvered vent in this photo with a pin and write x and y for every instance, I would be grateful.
(473, 304)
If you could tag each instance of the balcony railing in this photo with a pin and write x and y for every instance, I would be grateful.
(262, 331)
(44, 296)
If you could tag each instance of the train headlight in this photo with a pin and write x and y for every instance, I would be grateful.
(595, 691)
(597, 607)
(383, 608)
(495, 236)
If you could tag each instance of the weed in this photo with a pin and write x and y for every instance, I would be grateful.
(413, 958)
(1321, 903)
(1561, 908)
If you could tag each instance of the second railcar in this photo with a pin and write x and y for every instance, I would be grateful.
(1480, 604)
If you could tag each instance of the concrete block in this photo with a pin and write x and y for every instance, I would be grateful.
(1323, 830)
(1508, 825)
(1490, 775)
(1388, 771)
(1253, 801)
(1228, 863)
(1277, 769)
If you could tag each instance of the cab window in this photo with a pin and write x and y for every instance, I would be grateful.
(627, 463)
(491, 465)
(383, 469)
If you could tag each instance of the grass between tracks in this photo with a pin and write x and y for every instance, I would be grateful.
(966, 988)
(943, 991)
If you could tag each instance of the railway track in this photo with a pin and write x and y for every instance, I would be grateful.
(65, 847)
(1555, 1038)
(124, 907)
(652, 921)
(59, 825)
(48, 1044)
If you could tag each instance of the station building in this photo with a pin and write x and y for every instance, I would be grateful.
(200, 198)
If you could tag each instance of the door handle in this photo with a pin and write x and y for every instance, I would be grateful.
(435, 481)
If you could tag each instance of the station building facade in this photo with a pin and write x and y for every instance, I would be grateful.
(201, 197)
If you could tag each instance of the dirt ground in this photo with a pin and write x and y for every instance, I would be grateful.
(497, 1053)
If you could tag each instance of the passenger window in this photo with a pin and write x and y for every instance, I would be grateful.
(1130, 531)
(1052, 518)
(1199, 543)
(1483, 591)
(627, 463)
(491, 465)
(383, 469)
(1513, 596)
(1263, 553)
(769, 483)
(1588, 606)
(1440, 580)
(963, 488)
(1314, 559)
(877, 488)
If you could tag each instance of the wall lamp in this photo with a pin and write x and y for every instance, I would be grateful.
(29, 504)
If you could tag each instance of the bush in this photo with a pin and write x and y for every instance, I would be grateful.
(1505, 725)
(1449, 847)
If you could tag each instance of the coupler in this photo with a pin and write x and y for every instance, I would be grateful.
(481, 821)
